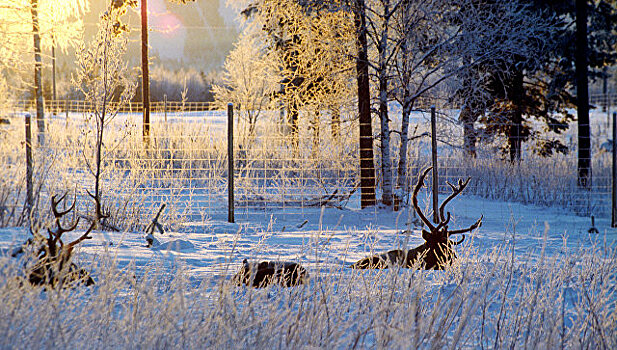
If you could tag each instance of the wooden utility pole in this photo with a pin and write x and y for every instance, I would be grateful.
(145, 74)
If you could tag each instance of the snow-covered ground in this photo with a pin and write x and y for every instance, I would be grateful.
(515, 276)
(346, 235)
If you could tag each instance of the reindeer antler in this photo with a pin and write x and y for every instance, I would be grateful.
(465, 230)
(54, 206)
(59, 230)
(470, 228)
(455, 192)
(444, 217)
(56, 234)
(82, 237)
(414, 199)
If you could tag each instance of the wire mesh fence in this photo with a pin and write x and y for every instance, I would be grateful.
(280, 168)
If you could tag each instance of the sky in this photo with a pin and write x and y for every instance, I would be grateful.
(198, 34)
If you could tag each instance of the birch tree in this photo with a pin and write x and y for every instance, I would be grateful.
(250, 78)
(383, 12)
(103, 78)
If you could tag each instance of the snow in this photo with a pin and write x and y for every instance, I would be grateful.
(184, 276)
(347, 235)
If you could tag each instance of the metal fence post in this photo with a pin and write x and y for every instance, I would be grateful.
(66, 113)
(614, 194)
(29, 165)
(435, 171)
(165, 106)
(230, 157)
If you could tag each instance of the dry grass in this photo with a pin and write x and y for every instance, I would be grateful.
(489, 300)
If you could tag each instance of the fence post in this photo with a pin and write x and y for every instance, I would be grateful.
(608, 110)
(29, 166)
(614, 194)
(165, 106)
(230, 161)
(66, 113)
(435, 170)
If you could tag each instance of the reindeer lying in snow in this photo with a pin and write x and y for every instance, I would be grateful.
(437, 251)
(265, 273)
(53, 266)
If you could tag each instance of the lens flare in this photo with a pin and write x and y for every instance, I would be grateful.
(162, 20)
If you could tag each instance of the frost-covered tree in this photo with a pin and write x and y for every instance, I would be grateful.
(494, 92)
(529, 100)
(419, 46)
(103, 78)
(592, 26)
(412, 48)
(29, 26)
(312, 42)
(250, 78)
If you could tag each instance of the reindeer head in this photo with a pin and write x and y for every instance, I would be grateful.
(437, 236)
(55, 234)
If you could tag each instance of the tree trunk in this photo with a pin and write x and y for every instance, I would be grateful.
(53, 74)
(401, 181)
(468, 118)
(145, 85)
(284, 124)
(29, 168)
(316, 134)
(336, 123)
(604, 89)
(515, 134)
(293, 127)
(582, 96)
(469, 114)
(401, 175)
(386, 162)
(98, 209)
(38, 87)
(367, 166)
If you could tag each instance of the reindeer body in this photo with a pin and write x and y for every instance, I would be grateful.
(57, 272)
(423, 256)
(262, 274)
